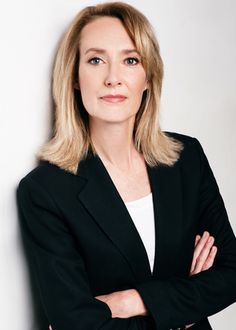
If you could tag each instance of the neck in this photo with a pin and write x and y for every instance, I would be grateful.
(114, 143)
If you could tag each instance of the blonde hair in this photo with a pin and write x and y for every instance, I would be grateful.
(71, 141)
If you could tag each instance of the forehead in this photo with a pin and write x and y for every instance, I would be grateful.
(105, 32)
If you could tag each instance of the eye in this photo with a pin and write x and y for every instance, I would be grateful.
(131, 60)
(94, 60)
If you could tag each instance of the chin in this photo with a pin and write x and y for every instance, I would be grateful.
(113, 119)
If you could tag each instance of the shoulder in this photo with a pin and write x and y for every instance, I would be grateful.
(44, 171)
(192, 153)
(49, 177)
(187, 140)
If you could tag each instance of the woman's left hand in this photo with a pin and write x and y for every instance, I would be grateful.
(204, 253)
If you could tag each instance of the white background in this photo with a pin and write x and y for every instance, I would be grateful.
(198, 46)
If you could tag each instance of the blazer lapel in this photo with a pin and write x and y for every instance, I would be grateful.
(166, 187)
(102, 200)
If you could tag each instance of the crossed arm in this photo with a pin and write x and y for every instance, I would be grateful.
(128, 303)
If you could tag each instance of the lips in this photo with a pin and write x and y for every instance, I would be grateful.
(113, 98)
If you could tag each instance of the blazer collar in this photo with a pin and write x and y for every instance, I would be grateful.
(102, 200)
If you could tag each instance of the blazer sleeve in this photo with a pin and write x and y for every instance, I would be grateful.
(58, 266)
(179, 301)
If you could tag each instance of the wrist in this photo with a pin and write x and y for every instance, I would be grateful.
(134, 300)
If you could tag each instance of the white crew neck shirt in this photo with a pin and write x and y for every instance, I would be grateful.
(141, 212)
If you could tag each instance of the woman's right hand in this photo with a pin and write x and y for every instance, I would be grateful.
(204, 255)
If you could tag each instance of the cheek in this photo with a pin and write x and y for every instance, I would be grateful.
(84, 80)
(138, 82)
(88, 84)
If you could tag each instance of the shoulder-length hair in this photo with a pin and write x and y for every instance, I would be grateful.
(70, 141)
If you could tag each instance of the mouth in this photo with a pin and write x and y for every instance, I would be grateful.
(114, 98)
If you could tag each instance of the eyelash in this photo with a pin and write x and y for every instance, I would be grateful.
(133, 58)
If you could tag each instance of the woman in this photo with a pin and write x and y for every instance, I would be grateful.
(118, 214)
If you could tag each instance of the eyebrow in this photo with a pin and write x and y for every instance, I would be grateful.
(103, 51)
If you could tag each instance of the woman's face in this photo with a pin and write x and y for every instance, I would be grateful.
(112, 67)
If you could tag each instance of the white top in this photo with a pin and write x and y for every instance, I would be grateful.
(141, 212)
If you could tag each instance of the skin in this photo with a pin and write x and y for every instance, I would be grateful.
(111, 72)
(111, 126)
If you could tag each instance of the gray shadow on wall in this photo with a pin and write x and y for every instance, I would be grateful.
(39, 318)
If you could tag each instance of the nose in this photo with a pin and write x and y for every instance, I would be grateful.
(113, 77)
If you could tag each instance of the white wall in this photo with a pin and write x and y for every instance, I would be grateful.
(198, 46)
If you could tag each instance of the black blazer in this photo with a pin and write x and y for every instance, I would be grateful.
(83, 243)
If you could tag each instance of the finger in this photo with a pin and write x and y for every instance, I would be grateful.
(201, 259)
(210, 260)
(198, 237)
(200, 245)
(199, 252)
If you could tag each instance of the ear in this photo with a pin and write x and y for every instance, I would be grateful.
(146, 85)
